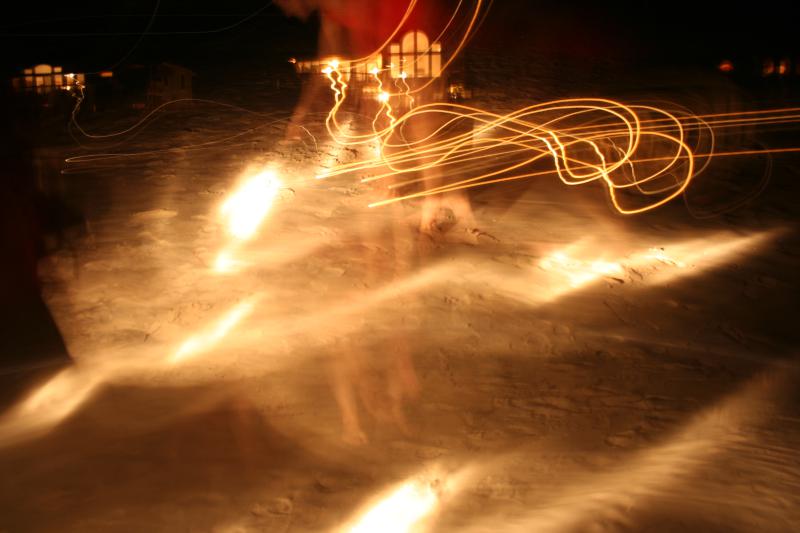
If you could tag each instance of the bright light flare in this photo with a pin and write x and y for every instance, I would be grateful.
(246, 208)
(679, 259)
(698, 255)
(577, 271)
(579, 265)
(653, 154)
(51, 403)
(224, 263)
(710, 437)
(205, 341)
(658, 254)
(400, 511)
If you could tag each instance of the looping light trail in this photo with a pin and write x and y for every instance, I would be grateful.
(645, 156)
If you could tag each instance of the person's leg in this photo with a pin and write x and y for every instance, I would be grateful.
(344, 370)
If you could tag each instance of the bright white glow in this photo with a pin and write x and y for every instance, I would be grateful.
(403, 75)
(374, 71)
(207, 340)
(383, 96)
(49, 404)
(659, 254)
(334, 63)
(224, 263)
(60, 396)
(579, 272)
(695, 256)
(658, 265)
(246, 208)
(581, 264)
(400, 511)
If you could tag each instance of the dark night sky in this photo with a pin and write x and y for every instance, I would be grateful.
(96, 35)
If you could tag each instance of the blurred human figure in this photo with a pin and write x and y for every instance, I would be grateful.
(358, 28)
(31, 346)
(379, 382)
(331, 41)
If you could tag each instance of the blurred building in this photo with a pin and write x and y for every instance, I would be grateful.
(46, 79)
(149, 86)
(46, 87)
(410, 62)
(134, 87)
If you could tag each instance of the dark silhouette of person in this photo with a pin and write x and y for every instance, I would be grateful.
(31, 346)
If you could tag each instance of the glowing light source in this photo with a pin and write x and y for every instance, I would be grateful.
(225, 263)
(210, 338)
(576, 266)
(726, 66)
(246, 208)
(400, 511)
(651, 152)
(577, 271)
(660, 255)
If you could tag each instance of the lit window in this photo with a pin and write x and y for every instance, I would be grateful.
(416, 57)
(394, 59)
(436, 60)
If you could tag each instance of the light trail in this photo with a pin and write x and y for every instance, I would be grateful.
(405, 507)
(212, 336)
(246, 208)
(244, 212)
(700, 122)
(616, 494)
(400, 511)
(652, 153)
(579, 265)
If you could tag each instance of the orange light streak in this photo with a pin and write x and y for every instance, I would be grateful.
(653, 151)
(246, 208)
(208, 339)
